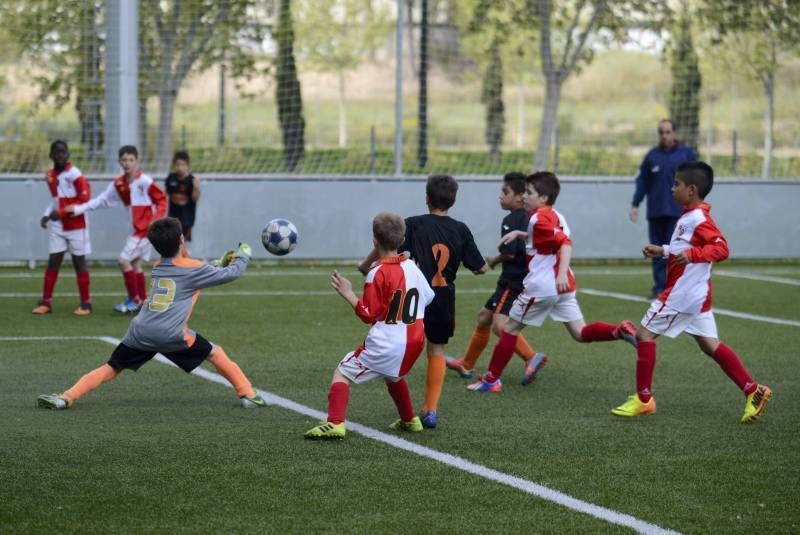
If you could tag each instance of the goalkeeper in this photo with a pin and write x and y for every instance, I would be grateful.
(160, 326)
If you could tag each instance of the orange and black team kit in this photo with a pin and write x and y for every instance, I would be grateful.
(439, 244)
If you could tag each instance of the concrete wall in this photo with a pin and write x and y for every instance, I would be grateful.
(333, 215)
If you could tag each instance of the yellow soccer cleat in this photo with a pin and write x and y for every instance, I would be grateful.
(414, 425)
(326, 431)
(635, 407)
(755, 404)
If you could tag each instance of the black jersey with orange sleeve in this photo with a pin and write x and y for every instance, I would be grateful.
(438, 245)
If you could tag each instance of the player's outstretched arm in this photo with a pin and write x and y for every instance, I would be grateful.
(209, 275)
(343, 286)
(652, 251)
(513, 235)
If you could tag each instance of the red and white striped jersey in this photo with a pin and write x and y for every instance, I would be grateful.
(688, 287)
(547, 233)
(67, 187)
(394, 300)
(146, 200)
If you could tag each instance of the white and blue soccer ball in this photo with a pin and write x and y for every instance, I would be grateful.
(279, 237)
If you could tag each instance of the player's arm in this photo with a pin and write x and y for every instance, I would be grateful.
(562, 277)
(158, 199)
(713, 246)
(48, 212)
(655, 251)
(344, 287)
(195, 189)
(108, 199)
(209, 275)
(365, 264)
(492, 261)
(513, 235)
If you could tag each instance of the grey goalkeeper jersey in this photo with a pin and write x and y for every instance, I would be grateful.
(161, 324)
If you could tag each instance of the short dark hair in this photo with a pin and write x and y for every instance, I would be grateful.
(389, 230)
(165, 235)
(671, 124)
(56, 143)
(545, 183)
(515, 181)
(180, 155)
(698, 174)
(129, 149)
(441, 191)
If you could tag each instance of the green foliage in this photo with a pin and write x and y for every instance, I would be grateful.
(338, 35)
(287, 92)
(684, 101)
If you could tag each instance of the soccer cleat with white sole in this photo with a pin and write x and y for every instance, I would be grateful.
(52, 401)
(255, 402)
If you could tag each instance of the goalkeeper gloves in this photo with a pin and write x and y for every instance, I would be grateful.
(224, 260)
(244, 250)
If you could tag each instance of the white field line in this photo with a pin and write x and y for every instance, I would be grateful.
(529, 487)
(325, 273)
(330, 293)
(717, 311)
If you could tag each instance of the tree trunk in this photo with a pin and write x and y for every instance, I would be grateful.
(142, 120)
(552, 96)
(521, 113)
(769, 123)
(166, 112)
(342, 113)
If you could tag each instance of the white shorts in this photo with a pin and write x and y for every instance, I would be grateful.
(76, 242)
(136, 248)
(534, 310)
(352, 368)
(663, 320)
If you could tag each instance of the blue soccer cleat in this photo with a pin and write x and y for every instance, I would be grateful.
(128, 307)
(429, 420)
(532, 368)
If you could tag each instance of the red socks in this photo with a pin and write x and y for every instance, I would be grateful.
(130, 284)
(598, 332)
(645, 364)
(83, 286)
(402, 399)
(50, 278)
(501, 355)
(141, 286)
(732, 365)
(338, 396)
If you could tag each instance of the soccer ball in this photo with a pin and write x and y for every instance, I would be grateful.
(279, 237)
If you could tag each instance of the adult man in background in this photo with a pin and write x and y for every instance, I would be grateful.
(654, 181)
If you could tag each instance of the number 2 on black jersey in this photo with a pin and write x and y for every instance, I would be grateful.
(401, 307)
(442, 255)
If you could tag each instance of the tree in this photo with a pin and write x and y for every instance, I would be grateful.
(567, 36)
(61, 42)
(190, 36)
(337, 36)
(684, 102)
(500, 37)
(287, 92)
(754, 35)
